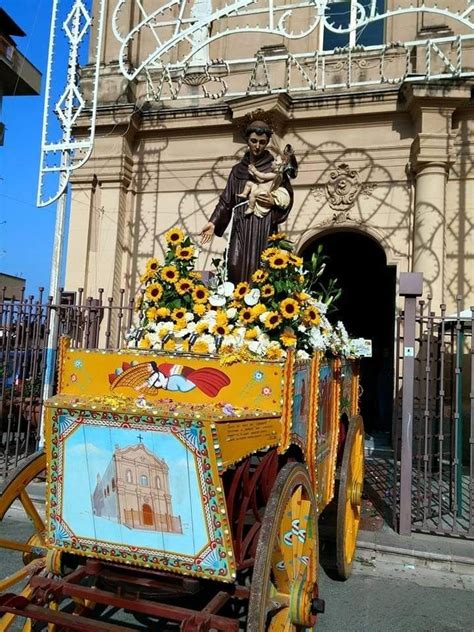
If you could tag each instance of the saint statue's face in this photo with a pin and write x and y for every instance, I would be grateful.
(257, 143)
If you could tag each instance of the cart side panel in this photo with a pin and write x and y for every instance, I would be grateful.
(327, 432)
(175, 378)
(137, 490)
(349, 403)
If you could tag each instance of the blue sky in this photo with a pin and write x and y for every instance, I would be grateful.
(26, 232)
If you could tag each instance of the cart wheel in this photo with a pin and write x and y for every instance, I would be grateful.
(284, 591)
(15, 489)
(350, 497)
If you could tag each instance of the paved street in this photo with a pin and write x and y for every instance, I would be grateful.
(388, 602)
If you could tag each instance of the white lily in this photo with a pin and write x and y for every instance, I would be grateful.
(252, 297)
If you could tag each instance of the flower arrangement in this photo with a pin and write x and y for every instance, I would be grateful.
(266, 318)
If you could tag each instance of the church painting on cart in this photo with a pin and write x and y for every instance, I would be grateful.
(143, 499)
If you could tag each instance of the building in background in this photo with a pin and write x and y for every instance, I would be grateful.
(18, 76)
(11, 286)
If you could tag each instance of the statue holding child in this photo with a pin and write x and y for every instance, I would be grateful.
(253, 220)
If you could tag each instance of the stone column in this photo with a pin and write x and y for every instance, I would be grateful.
(431, 108)
(429, 227)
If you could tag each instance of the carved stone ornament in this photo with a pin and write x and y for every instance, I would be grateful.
(343, 188)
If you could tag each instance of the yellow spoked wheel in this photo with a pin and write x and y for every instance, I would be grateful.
(14, 491)
(349, 503)
(284, 591)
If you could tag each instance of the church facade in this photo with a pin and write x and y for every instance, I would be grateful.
(134, 491)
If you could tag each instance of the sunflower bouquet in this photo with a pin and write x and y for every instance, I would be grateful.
(266, 318)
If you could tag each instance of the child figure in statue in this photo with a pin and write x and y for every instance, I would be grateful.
(283, 169)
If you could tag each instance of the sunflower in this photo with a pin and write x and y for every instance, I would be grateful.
(234, 304)
(199, 309)
(312, 315)
(183, 286)
(154, 292)
(170, 345)
(296, 261)
(221, 318)
(279, 260)
(267, 253)
(144, 343)
(267, 291)
(152, 313)
(185, 345)
(174, 236)
(194, 274)
(152, 265)
(200, 293)
(200, 346)
(246, 315)
(201, 327)
(146, 276)
(251, 334)
(274, 353)
(277, 237)
(220, 330)
(178, 314)
(180, 324)
(163, 312)
(170, 274)
(259, 309)
(289, 308)
(272, 320)
(185, 253)
(302, 296)
(241, 290)
(259, 276)
(288, 338)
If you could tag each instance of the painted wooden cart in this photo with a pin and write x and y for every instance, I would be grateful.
(188, 492)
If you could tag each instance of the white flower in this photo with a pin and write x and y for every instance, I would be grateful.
(316, 339)
(189, 316)
(217, 300)
(231, 313)
(262, 318)
(301, 354)
(260, 345)
(211, 343)
(226, 288)
(301, 328)
(252, 297)
(181, 333)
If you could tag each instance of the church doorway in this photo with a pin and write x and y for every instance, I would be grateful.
(147, 514)
(367, 308)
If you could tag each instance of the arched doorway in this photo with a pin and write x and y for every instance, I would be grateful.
(147, 514)
(367, 308)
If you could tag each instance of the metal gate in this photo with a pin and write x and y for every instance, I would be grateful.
(25, 325)
(434, 421)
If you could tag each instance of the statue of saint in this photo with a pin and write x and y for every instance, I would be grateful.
(250, 231)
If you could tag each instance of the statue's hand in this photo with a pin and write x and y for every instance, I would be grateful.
(266, 200)
(252, 170)
(207, 233)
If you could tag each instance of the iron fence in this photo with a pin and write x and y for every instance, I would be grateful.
(25, 327)
(434, 431)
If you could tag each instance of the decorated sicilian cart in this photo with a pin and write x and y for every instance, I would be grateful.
(186, 474)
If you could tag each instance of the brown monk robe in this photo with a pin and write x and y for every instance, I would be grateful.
(249, 233)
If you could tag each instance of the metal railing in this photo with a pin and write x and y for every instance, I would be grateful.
(25, 328)
(434, 429)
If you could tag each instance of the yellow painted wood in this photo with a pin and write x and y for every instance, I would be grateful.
(237, 439)
(85, 373)
(32, 512)
(16, 577)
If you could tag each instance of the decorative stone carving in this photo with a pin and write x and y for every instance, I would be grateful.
(342, 217)
(343, 188)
